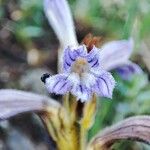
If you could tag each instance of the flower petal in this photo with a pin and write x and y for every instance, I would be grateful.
(81, 92)
(69, 58)
(60, 18)
(105, 84)
(88, 80)
(79, 89)
(80, 51)
(70, 55)
(115, 53)
(74, 78)
(82, 88)
(58, 84)
(93, 58)
(128, 69)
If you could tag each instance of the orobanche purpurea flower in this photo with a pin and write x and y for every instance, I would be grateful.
(82, 77)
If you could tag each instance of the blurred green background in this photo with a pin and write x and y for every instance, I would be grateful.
(28, 48)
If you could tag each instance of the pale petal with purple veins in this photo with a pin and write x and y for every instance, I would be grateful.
(80, 51)
(60, 18)
(74, 78)
(81, 92)
(128, 69)
(105, 84)
(88, 80)
(70, 55)
(81, 89)
(115, 53)
(93, 57)
(58, 84)
(69, 58)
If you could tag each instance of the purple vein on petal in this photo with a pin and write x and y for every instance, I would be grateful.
(95, 64)
(105, 84)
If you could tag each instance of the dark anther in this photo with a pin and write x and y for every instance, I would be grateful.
(44, 77)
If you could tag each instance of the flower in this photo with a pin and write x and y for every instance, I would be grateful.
(128, 69)
(82, 75)
(114, 54)
(60, 18)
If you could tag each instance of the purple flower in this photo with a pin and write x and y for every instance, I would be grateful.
(128, 69)
(82, 76)
(116, 54)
